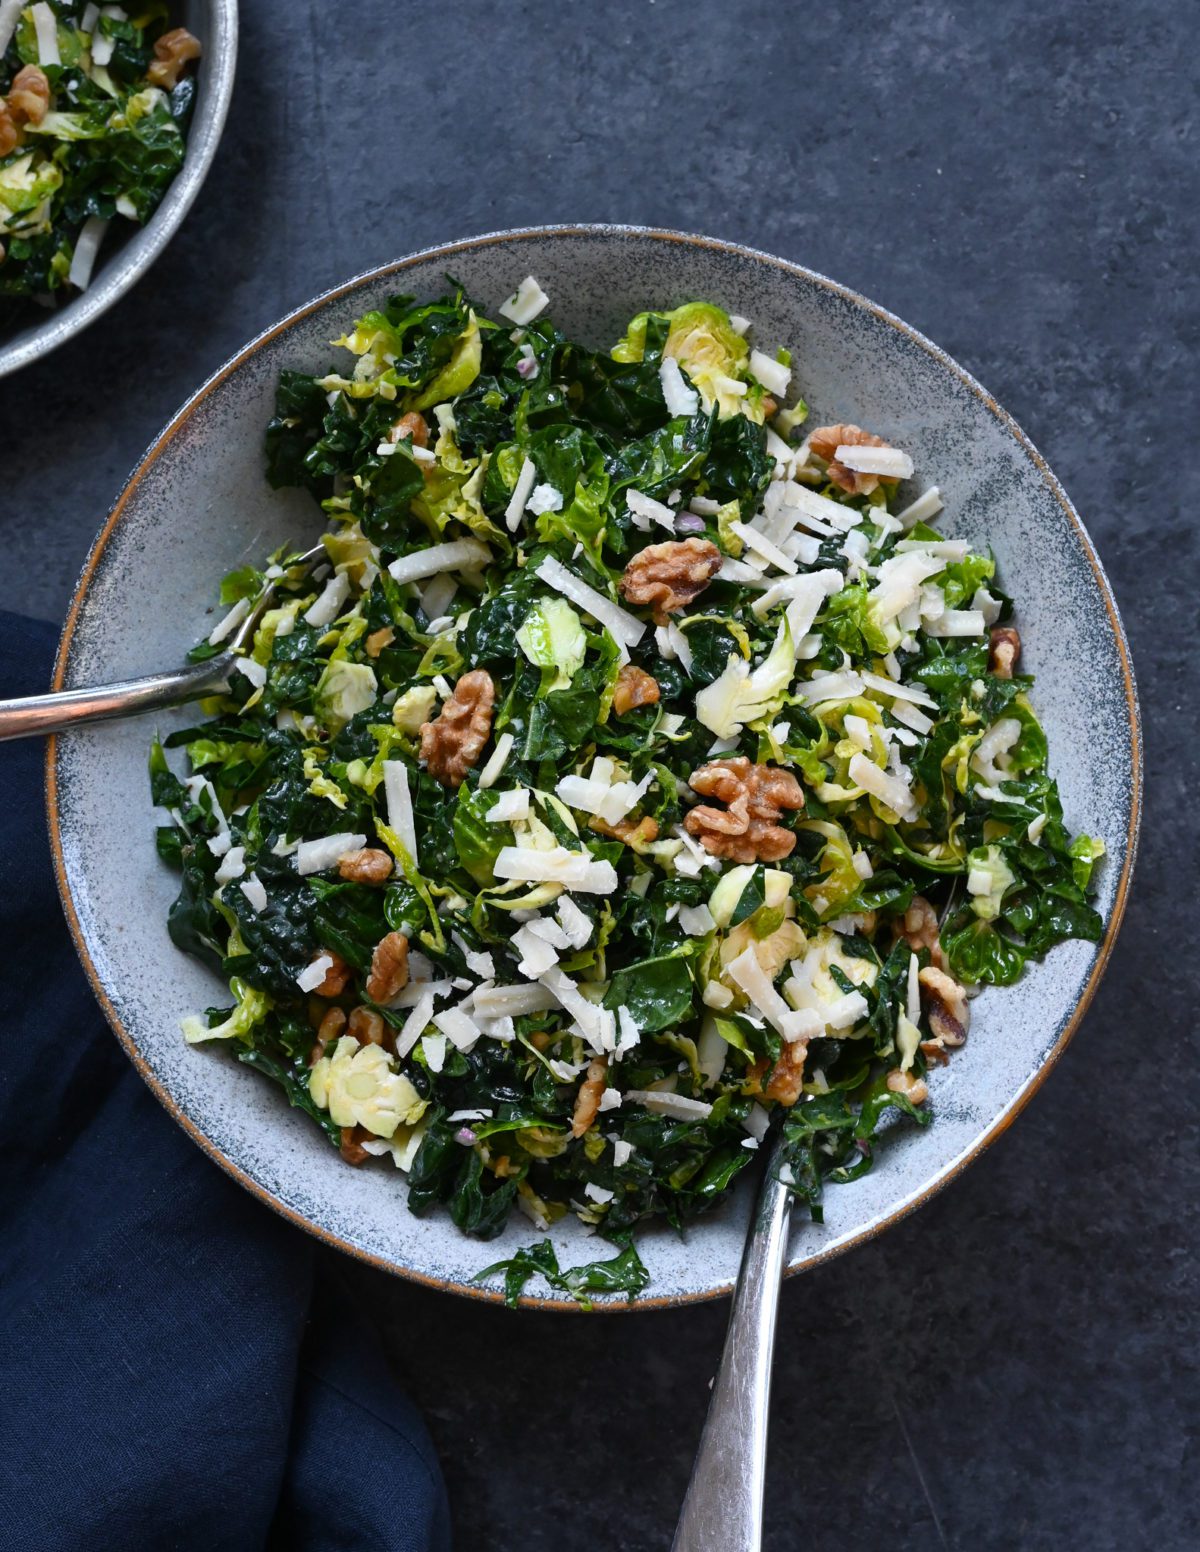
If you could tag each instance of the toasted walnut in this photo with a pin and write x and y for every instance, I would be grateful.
(454, 740)
(10, 131)
(412, 428)
(934, 1051)
(587, 1101)
(637, 834)
(333, 1022)
(785, 1083)
(634, 688)
(351, 1148)
(368, 866)
(389, 968)
(367, 1026)
(913, 1088)
(946, 1006)
(172, 51)
(379, 639)
(337, 977)
(747, 828)
(29, 95)
(919, 929)
(670, 576)
(1004, 648)
(825, 441)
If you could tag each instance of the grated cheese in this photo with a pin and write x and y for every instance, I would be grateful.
(510, 805)
(623, 627)
(459, 554)
(497, 1002)
(754, 540)
(572, 869)
(414, 1025)
(320, 855)
(644, 510)
(773, 375)
(890, 790)
(887, 461)
(255, 892)
(956, 622)
(844, 685)
(233, 865)
(399, 805)
(926, 506)
(526, 302)
(312, 975)
(497, 761)
(677, 1105)
(679, 398)
(230, 623)
(91, 233)
(434, 1048)
(544, 499)
(46, 27)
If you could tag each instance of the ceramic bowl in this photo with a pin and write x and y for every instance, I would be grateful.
(123, 262)
(199, 504)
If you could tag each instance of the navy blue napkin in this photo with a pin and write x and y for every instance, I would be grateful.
(179, 1368)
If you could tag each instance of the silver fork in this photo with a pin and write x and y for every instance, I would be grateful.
(62, 709)
(723, 1505)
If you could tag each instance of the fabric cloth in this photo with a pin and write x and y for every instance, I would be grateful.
(179, 1368)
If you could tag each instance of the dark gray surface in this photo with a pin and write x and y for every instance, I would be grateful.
(1016, 1365)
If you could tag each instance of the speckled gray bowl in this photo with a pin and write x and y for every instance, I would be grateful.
(123, 260)
(199, 505)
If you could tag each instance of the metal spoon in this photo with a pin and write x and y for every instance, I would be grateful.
(32, 714)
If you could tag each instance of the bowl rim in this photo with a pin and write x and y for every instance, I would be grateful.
(443, 251)
(128, 265)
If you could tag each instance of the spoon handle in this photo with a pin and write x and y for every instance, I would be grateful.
(723, 1506)
(62, 709)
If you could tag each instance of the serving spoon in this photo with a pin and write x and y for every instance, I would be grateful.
(29, 715)
(723, 1505)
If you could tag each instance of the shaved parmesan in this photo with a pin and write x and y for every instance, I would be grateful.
(993, 748)
(773, 375)
(677, 1105)
(926, 506)
(888, 461)
(434, 1047)
(515, 509)
(329, 605)
(526, 302)
(911, 717)
(399, 805)
(645, 510)
(956, 622)
(696, 920)
(948, 549)
(756, 983)
(255, 892)
(312, 975)
(899, 692)
(844, 685)
(762, 546)
(496, 1002)
(320, 855)
(459, 554)
(461, 1031)
(597, 1193)
(91, 234)
(592, 1019)
(544, 498)
(890, 790)
(46, 27)
(913, 989)
(899, 584)
(509, 806)
(846, 1011)
(233, 865)
(575, 925)
(230, 622)
(572, 869)
(804, 596)
(10, 12)
(536, 955)
(497, 761)
(414, 1025)
(680, 399)
(622, 626)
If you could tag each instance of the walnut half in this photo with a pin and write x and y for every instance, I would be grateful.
(784, 1082)
(1004, 648)
(634, 688)
(670, 576)
(389, 968)
(29, 95)
(946, 1006)
(454, 740)
(747, 829)
(172, 51)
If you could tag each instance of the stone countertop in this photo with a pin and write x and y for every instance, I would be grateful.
(1015, 1365)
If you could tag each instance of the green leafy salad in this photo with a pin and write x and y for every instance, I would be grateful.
(94, 106)
(630, 773)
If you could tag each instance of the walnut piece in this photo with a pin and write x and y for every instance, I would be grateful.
(670, 576)
(913, 1088)
(332, 1024)
(785, 1083)
(337, 977)
(825, 441)
(946, 1007)
(10, 131)
(367, 1027)
(634, 688)
(747, 828)
(29, 95)
(368, 866)
(1004, 648)
(454, 740)
(379, 639)
(172, 51)
(587, 1101)
(389, 968)
(638, 834)
(351, 1148)
(919, 929)
(413, 428)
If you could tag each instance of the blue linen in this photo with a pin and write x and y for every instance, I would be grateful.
(179, 1368)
